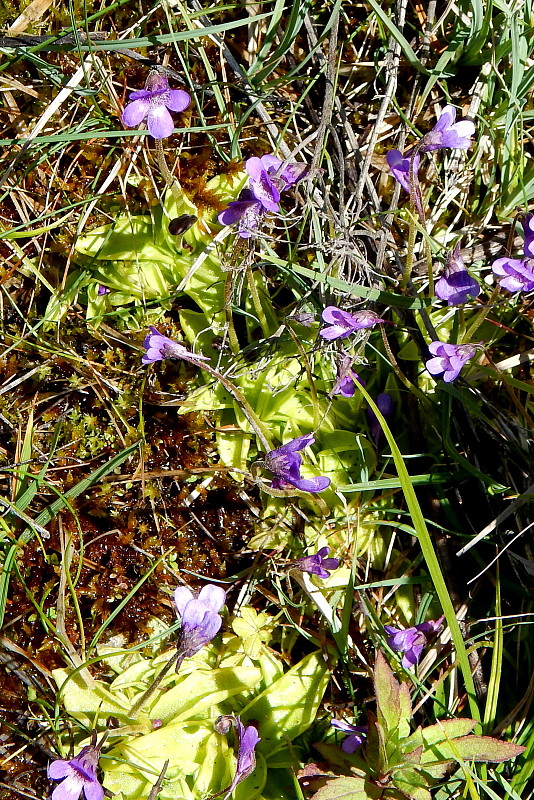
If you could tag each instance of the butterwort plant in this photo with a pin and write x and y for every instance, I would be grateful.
(455, 284)
(447, 133)
(154, 103)
(285, 462)
(341, 324)
(355, 734)
(199, 616)
(78, 775)
(346, 377)
(318, 563)
(200, 622)
(412, 641)
(159, 347)
(517, 274)
(247, 739)
(269, 176)
(449, 359)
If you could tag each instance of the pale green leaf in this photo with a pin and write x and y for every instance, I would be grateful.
(289, 706)
(86, 702)
(201, 689)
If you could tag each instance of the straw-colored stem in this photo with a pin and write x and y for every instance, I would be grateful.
(228, 291)
(480, 317)
(260, 313)
(164, 169)
(145, 697)
(317, 416)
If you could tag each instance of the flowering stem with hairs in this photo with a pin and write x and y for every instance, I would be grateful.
(165, 171)
(145, 697)
(228, 291)
(317, 416)
(416, 210)
(246, 408)
(399, 373)
(481, 316)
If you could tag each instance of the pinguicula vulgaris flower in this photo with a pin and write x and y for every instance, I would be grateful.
(515, 274)
(399, 166)
(285, 462)
(346, 378)
(356, 734)
(154, 103)
(386, 406)
(411, 641)
(449, 359)
(268, 178)
(341, 324)
(455, 284)
(318, 563)
(528, 230)
(159, 347)
(199, 616)
(247, 211)
(247, 739)
(77, 775)
(448, 134)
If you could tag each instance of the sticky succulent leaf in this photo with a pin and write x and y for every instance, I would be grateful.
(472, 748)
(289, 706)
(85, 702)
(349, 788)
(387, 692)
(202, 689)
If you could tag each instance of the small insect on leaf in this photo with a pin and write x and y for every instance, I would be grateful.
(179, 225)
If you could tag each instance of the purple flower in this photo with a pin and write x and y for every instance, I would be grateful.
(154, 102)
(285, 463)
(411, 641)
(79, 774)
(159, 347)
(269, 176)
(317, 564)
(246, 210)
(342, 324)
(246, 757)
(400, 167)
(356, 734)
(455, 283)
(346, 377)
(449, 359)
(199, 616)
(103, 289)
(528, 229)
(515, 274)
(283, 174)
(386, 406)
(447, 133)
